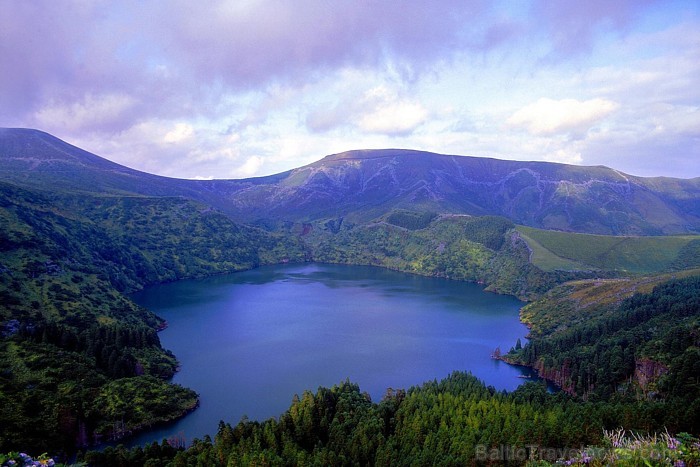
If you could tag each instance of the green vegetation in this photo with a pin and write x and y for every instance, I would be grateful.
(410, 220)
(647, 346)
(580, 301)
(457, 421)
(72, 343)
(480, 249)
(552, 250)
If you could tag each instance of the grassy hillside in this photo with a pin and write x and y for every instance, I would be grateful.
(576, 302)
(553, 250)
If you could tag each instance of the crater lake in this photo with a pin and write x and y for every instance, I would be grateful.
(248, 341)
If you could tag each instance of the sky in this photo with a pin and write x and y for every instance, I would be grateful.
(235, 89)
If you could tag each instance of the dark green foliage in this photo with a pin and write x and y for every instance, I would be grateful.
(651, 340)
(480, 249)
(451, 422)
(688, 257)
(69, 335)
(488, 230)
(410, 220)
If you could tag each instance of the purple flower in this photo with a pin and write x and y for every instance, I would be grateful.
(673, 443)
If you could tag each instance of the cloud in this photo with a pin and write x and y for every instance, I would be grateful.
(394, 118)
(249, 167)
(221, 88)
(573, 27)
(180, 133)
(380, 109)
(665, 140)
(549, 117)
(89, 113)
(176, 58)
(244, 43)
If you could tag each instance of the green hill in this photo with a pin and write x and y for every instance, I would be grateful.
(73, 345)
(552, 250)
(602, 338)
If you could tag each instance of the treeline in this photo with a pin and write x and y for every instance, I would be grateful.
(452, 422)
(647, 346)
(113, 349)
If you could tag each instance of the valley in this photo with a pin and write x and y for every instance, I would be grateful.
(82, 363)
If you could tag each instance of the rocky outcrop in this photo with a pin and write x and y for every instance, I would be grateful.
(646, 374)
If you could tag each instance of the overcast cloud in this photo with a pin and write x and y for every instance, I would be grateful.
(228, 89)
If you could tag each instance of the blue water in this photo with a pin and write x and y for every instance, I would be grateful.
(247, 342)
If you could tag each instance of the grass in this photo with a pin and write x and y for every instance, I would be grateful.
(554, 250)
(582, 300)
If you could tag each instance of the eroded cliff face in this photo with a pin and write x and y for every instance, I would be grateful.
(559, 376)
(647, 373)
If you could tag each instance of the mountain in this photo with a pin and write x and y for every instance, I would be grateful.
(364, 185)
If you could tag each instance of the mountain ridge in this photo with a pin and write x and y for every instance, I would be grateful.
(364, 184)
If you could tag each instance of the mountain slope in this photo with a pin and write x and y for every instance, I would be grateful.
(363, 185)
(38, 160)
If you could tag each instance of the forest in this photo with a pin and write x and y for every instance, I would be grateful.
(614, 353)
(456, 421)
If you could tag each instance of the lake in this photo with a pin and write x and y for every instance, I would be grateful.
(247, 342)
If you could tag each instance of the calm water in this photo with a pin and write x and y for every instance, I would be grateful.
(249, 341)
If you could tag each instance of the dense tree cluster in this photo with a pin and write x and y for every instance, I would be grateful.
(451, 422)
(648, 346)
(410, 220)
